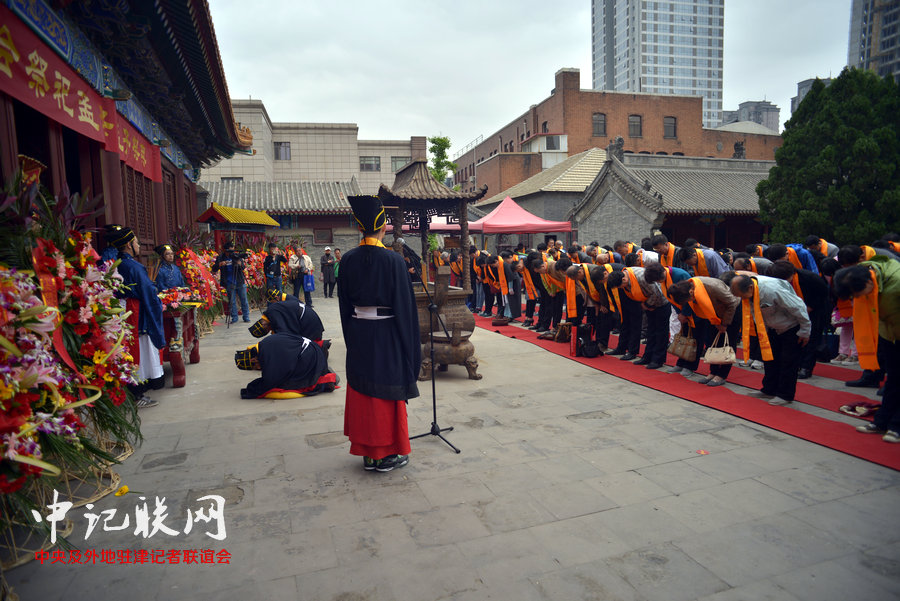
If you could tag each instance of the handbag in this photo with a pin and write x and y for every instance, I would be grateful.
(309, 282)
(684, 346)
(720, 355)
(500, 320)
(563, 332)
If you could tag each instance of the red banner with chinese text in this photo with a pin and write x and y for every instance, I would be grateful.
(35, 75)
(136, 150)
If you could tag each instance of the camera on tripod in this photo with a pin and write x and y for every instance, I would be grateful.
(239, 254)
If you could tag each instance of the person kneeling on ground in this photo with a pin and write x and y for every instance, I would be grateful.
(291, 365)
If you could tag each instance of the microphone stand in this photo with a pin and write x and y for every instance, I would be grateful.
(436, 430)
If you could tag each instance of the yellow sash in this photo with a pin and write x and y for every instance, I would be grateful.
(371, 242)
(755, 326)
(702, 304)
(753, 266)
(634, 292)
(868, 252)
(865, 326)
(895, 246)
(571, 307)
(501, 277)
(589, 284)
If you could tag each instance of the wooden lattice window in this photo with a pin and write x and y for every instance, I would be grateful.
(138, 197)
(170, 203)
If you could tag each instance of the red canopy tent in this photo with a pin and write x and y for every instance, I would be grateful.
(510, 218)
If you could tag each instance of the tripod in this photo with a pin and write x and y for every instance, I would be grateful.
(432, 312)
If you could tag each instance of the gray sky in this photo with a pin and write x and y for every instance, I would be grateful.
(401, 68)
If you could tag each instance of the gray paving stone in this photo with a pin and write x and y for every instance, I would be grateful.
(375, 541)
(762, 549)
(643, 524)
(444, 525)
(455, 490)
(678, 476)
(592, 580)
(571, 499)
(505, 558)
(512, 512)
(830, 581)
(762, 590)
(627, 488)
(665, 573)
(570, 542)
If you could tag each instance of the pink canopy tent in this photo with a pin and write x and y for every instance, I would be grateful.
(510, 218)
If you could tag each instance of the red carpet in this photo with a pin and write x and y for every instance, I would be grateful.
(832, 434)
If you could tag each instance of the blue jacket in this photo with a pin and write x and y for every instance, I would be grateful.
(141, 288)
(169, 276)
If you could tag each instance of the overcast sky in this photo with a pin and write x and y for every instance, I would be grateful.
(401, 68)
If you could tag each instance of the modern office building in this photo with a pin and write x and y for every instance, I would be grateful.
(762, 112)
(672, 47)
(803, 89)
(312, 152)
(875, 36)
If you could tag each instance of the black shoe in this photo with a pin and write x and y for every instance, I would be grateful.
(616, 352)
(627, 357)
(390, 462)
(642, 361)
(804, 374)
(653, 365)
(542, 330)
(863, 383)
(880, 392)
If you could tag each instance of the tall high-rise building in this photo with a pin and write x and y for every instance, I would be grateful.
(672, 47)
(875, 36)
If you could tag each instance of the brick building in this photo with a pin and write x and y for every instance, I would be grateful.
(572, 120)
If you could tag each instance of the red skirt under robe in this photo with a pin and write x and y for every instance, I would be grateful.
(376, 427)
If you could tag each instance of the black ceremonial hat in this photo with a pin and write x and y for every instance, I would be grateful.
(162, 248)
(369, 212)
(118, 235)
(247, 359)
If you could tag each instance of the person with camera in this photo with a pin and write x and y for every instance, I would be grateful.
(272, 267)
(230, 265)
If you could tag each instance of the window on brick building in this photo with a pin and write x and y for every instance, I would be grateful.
(398, 163)
(670, 127)
(635, 127)
(370, 163)
(282, 151)
(544, 127)
(599, 124)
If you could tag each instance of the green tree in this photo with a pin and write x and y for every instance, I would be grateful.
(441, 166)
(837, 174)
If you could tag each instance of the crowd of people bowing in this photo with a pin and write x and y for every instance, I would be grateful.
(778, 300)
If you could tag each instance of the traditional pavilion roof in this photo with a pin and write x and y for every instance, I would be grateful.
(166, 53)
(285, 198)
(574, 174)
(678, 185)
(415, 188)
(222, 214)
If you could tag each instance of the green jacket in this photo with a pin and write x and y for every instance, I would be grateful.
(887, 275)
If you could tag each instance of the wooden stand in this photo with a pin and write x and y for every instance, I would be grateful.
(190, 342)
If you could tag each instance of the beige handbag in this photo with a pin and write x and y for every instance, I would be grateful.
(720, 355)
(684, 346)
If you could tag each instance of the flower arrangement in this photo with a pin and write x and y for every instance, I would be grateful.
(175, 298)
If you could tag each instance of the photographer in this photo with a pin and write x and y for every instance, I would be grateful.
(232, 278)
(272, 267)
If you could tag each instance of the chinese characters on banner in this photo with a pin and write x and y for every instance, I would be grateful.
(35, 75)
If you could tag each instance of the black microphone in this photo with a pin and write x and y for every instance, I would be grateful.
(409, 252)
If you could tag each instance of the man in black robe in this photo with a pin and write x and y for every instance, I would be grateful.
(381, 330)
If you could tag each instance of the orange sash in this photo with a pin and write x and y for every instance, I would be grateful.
(823, 247)
(576, 259)
(702, 305)
(868, 252)
(666, 283)
(755, 326)
(795, 282)
(615, 291)
(895, 246)
(701, 264)
(753, 266)
(634, 292)
(758, 251)
(793, 258)
(501, 277)
(865, 326)
(529, 285)
(456, 266)
(571, 306)
(668, 260)
(845, 307)
(589, 284)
